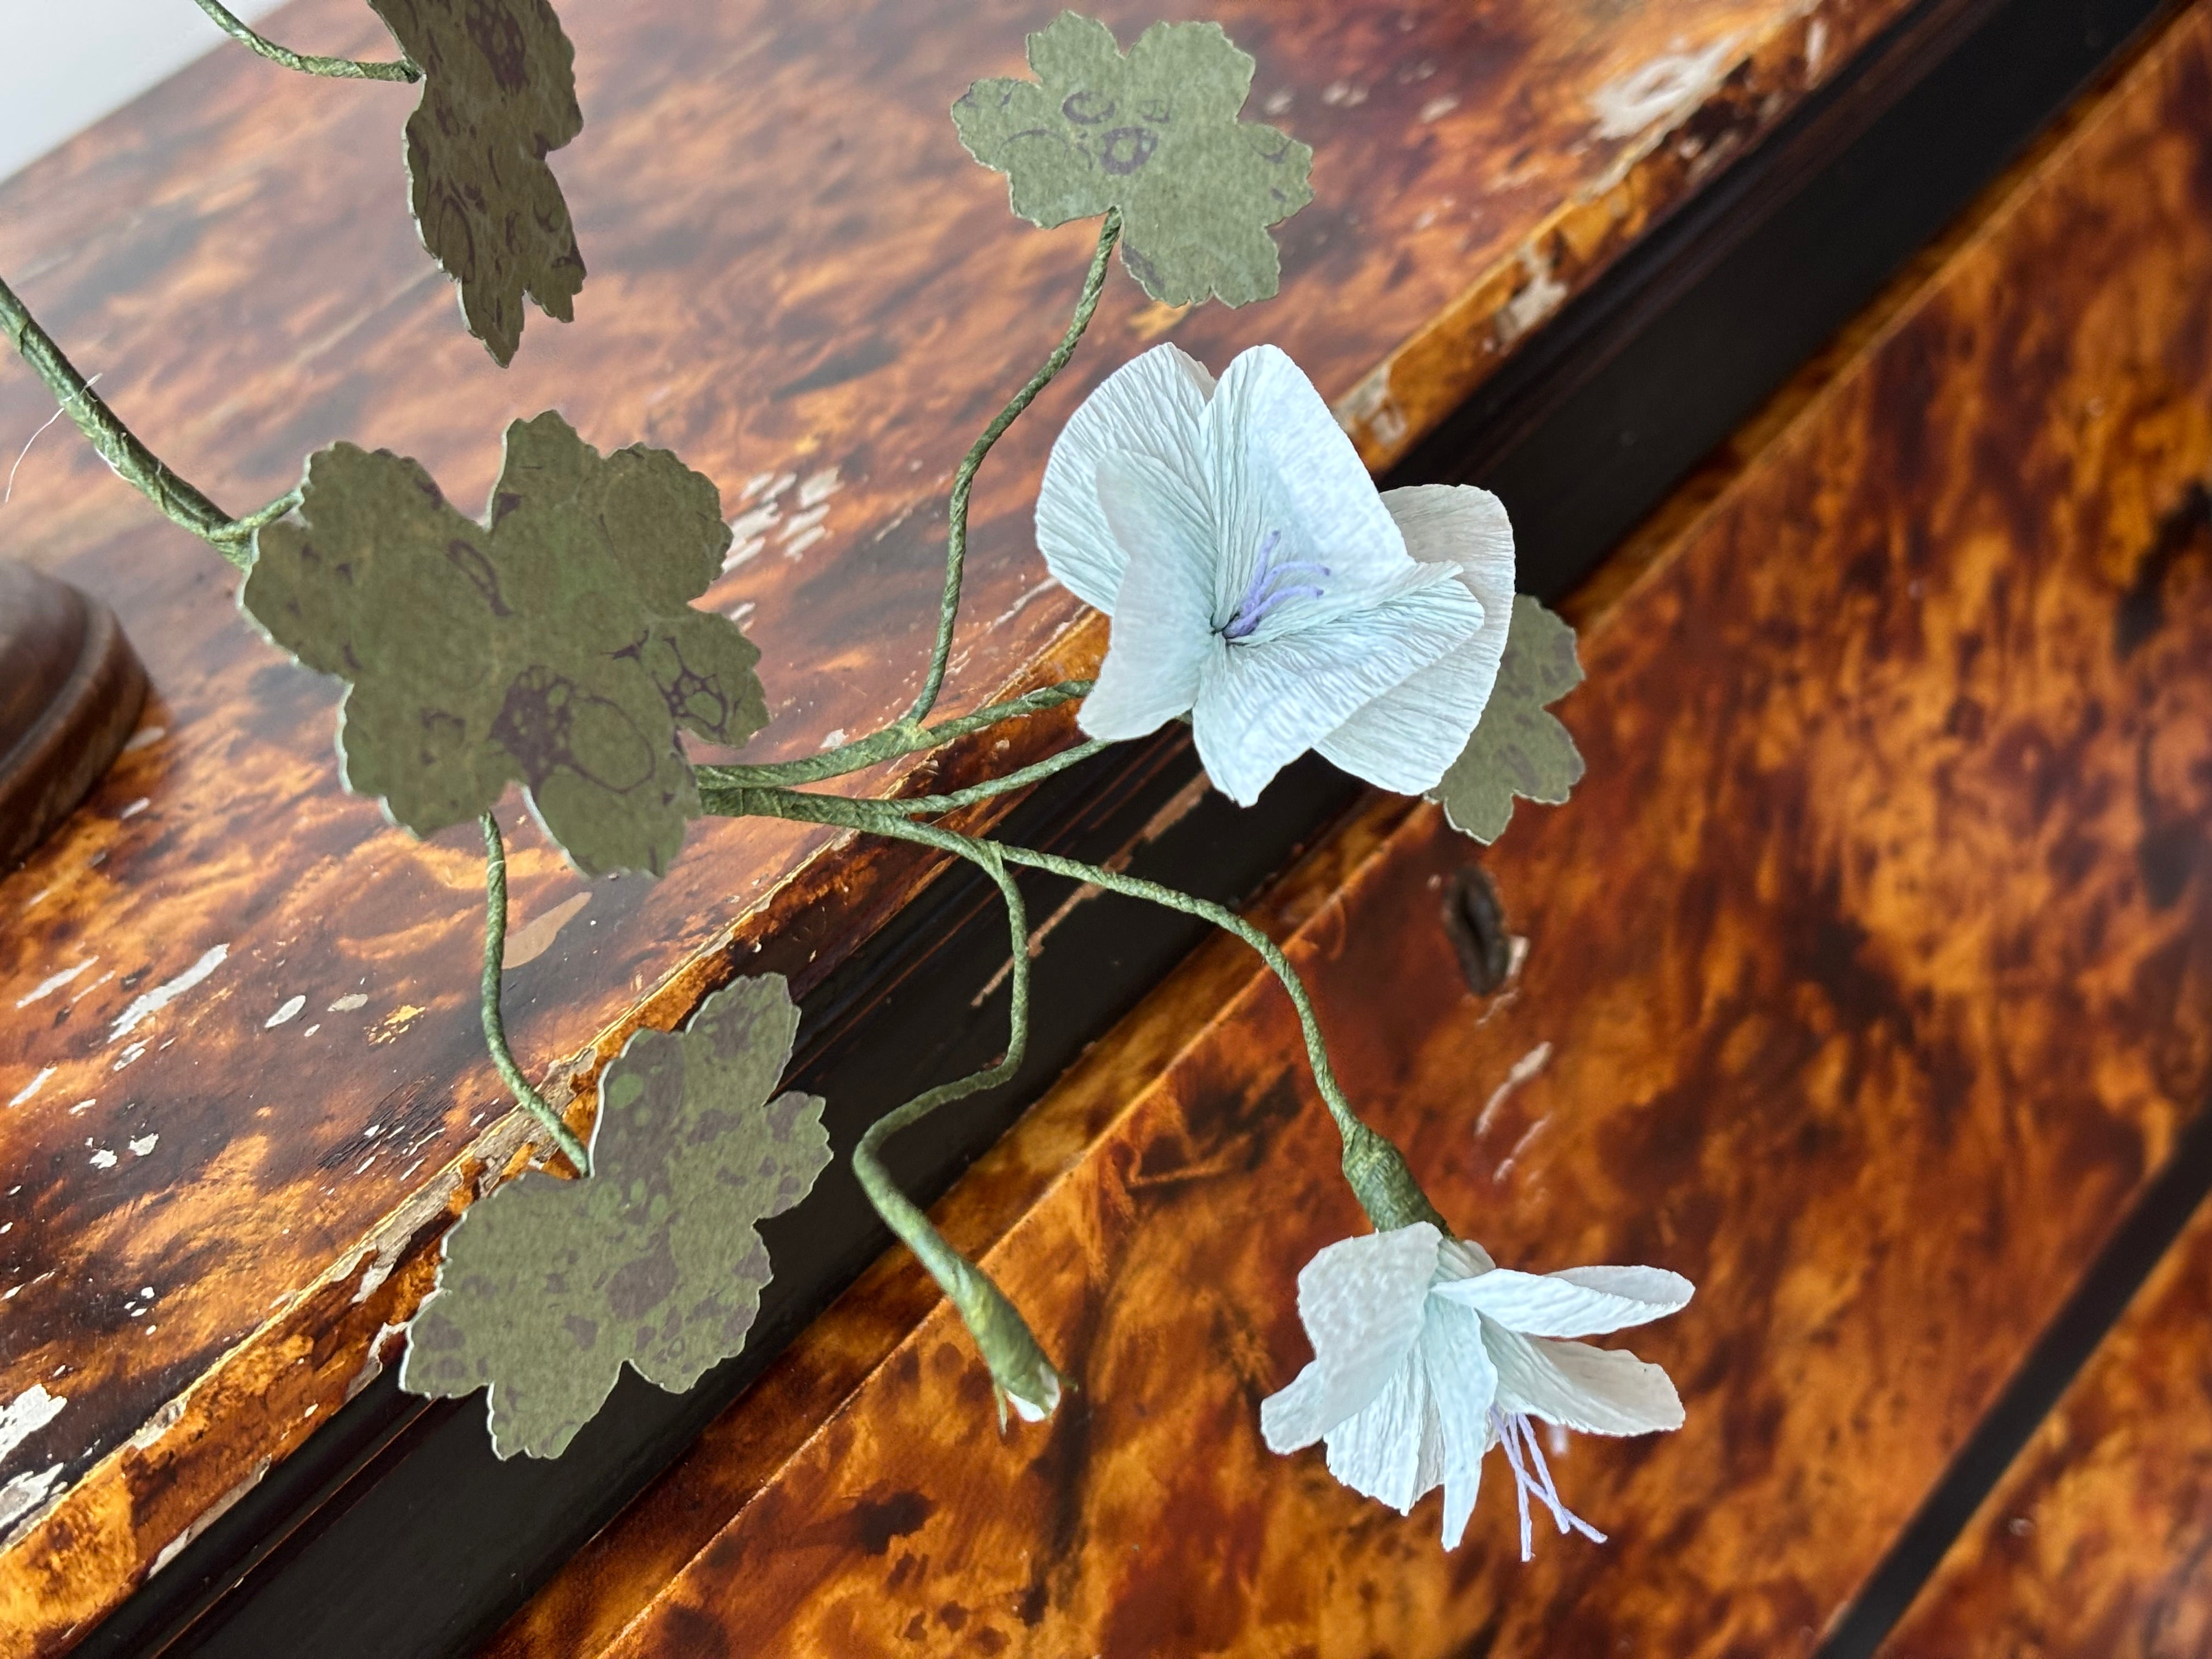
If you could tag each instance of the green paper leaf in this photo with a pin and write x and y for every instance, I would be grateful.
(1518, 747)
(548, 1286)
(499, 91)
(557, 650)
(1155, 134)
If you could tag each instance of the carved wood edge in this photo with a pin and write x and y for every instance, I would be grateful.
(70, 691)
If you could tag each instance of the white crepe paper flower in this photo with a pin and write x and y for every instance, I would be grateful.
(1427, 1354)
(1258, 583)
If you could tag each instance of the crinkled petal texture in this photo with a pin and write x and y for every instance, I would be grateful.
(1258, 583)
(1580, 1301)
(1408, 738)
(1596, 1390)
(1362, 1301)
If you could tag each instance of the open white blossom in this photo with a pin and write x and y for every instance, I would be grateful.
(1427, 1354)
(1258, 583)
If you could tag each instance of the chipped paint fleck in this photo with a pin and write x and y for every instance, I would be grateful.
(535, 937)
(32, 1087)
(819, 486)
(289, 1010)
(166, 992)
(1542, 294)
(348, 1003)
(26, 1414)
(143, 1146)
(1524, 1068)
(53, 983)
(1664, 91)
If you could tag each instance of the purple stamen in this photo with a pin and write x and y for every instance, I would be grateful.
(1264, 593)
(1532, 1474)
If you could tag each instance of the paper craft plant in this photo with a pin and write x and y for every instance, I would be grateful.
(1259, 587)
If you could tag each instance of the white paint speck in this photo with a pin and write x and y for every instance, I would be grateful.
(748, 548)
(128, 1055)
(53, 983)
(141, 1146)
(32, 1087)
(348, 1003)
(1542, 294)
(1524, 1068)
(834, 738)
(145, 739)
(1342, 95)
(1437, 108)
(26, 1414)
(818, 487)
(738, 613)
(25, 1493)
(83, 1106)
(1277, 101)
(90, 989)
(1664, 90)
(166, 992)
(134, 809)
(1816, 47)
(289, 1012)
(104, 1159)
(799, 545)
(755, 484)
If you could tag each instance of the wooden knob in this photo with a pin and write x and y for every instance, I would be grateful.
(70, 691)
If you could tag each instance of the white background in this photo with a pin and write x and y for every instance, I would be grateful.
(64, 63)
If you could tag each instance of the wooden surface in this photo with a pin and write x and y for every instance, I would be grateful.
(1872, 968)
(2093, 1545)
(799, 282)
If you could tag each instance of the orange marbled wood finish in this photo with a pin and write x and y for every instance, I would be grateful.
(1875, 960)
(796, 274)
(2093, 1545)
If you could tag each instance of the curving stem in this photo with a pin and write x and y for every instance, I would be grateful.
(494, 1024)
(964, 481)
(1374, 1168)
(1020, 1373)
(131, 461)
(341, 69)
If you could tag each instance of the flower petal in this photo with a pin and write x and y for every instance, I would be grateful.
(1152, 405)
(1596, 1390)
(1361, 1301)
(1580, 1301)
(1281, 461)
(1408, 738)
(1161, 642)
(1462, 1382)
(1263, 702)
(1388, 1449)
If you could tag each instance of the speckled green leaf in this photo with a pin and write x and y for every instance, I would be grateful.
(1156, 134)
(1518, 747)
(557, 649)
(499, 91)
(549, 1286)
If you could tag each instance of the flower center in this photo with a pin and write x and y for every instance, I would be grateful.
(1532, 1475)
(1274, 584)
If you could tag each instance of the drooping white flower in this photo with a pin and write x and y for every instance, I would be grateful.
(1259, 582)
(1427, 1354)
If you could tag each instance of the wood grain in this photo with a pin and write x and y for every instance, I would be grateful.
(800, 284)
(2093, 1545)
(1871, 963)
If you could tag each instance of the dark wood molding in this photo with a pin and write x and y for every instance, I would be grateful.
(70, 691)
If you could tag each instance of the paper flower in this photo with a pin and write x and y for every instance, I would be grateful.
(1427, 1354)
(1155, 134)
(499, 91)
(1258, 582)
(558, 649)
(549, 1286)
(1519, 747)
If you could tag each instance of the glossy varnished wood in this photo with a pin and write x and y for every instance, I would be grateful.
(801, 283)
(2093, 1545)
(1870, 965)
